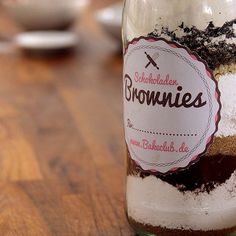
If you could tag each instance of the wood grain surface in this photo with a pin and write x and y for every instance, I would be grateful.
(62, 165)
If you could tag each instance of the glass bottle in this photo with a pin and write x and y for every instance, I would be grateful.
(179, 116)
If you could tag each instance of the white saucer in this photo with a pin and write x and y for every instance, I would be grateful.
(110, 19)
(46, 40)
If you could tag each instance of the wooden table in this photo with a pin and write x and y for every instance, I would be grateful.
(61, 139)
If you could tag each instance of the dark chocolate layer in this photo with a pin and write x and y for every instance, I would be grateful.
(143, 229)
(200, 41)
(204, 175)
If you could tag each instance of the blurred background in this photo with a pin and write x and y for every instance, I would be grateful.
(61, 129)
(57, 24)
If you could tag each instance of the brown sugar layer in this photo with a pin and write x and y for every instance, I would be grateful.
(224, 70)
(223, 145)
(204, 175)
(154, 230)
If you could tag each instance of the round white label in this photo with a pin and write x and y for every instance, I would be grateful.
(171, 105)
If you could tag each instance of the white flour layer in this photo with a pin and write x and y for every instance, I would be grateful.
(227, 87)
(155, 202)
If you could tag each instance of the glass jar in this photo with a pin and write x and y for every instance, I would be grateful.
(180, 116)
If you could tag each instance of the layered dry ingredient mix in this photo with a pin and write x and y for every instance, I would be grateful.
(201, 198)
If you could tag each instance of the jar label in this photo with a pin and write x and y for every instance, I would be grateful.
(171, 105)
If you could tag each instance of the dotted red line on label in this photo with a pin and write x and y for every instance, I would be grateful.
(164, 134)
